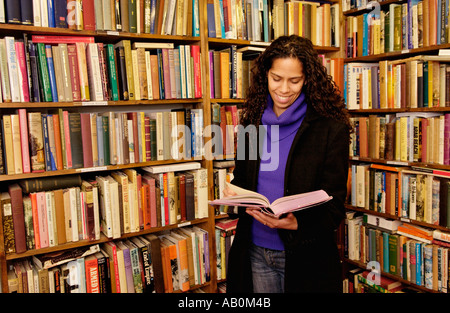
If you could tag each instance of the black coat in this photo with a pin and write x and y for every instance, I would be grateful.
(318, 159)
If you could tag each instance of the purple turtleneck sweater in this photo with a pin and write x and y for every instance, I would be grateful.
(271, 182)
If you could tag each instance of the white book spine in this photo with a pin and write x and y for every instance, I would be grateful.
(13, 69)
(37, 21)
(44, 13)
(2, 12)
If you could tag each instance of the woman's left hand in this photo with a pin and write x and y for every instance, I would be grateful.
(288, 222)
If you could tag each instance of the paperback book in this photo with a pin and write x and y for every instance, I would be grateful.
(284, 205)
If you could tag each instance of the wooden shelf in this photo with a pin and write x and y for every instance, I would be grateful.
(103, 36)
(395, 217)
(401, 163)
(103, 239)
(13, 177)
(25, 105)
(395, 277)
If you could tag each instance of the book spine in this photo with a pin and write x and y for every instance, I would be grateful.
(26, 167)
(22, 71)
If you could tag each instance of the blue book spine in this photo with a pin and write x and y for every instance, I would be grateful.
(152, 16)
(439, 21)
(196, 19)
(51, 72)
(365, 33)
(193, 141)
(419, 263)
(26, 12)
(12, 10)
(386, 252)
(51, 13)
(345, 83)
(266, 21)
(222, 22)
(428, 266)
(410, 39)
(60, 8)
(211, 20)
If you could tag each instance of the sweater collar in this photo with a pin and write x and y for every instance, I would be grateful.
(289, 121)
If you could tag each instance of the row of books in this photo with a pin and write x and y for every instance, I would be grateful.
(405, 250)
(69, 68)
(404, 137)
(225, 231)
(420, 81)
(37, 142)
(359, 280)
(162, 17)
(169, 261)
(267, 20)
(119, 203)
(401, 26)
(230, 71)
(402, 192)
(235, 19)
(227, 117)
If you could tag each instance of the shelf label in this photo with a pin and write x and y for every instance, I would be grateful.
(397, 163)
(404, 219)
(92, 169)
(112, 33)
(405, 51)
(91, 103)
(184, 224)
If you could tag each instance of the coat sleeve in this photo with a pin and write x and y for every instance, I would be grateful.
(322, 220)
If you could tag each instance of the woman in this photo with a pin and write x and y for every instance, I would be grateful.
(291, 90)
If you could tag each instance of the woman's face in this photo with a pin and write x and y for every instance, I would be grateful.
(285, 80)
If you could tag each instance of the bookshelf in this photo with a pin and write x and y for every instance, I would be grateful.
(113, 36)
(244, 45)
(390, 162)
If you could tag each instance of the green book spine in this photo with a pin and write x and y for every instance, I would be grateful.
(112, 71)
(393, 254)
(132, 16)
(43, 71)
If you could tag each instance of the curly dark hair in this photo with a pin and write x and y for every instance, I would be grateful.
(320, 90)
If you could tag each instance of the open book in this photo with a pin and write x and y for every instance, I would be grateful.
(250, 199)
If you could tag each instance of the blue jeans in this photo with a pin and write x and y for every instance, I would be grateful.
(267, 269)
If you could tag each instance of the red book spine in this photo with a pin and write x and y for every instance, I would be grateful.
(61, 39)
(447, 139)
(92, 279)
(22, 70)
(23, 125)
(34, 209)
(87, 140)
(67, 139)
(166, 73)
(88, 15)
(195, 52)
(15, 193)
